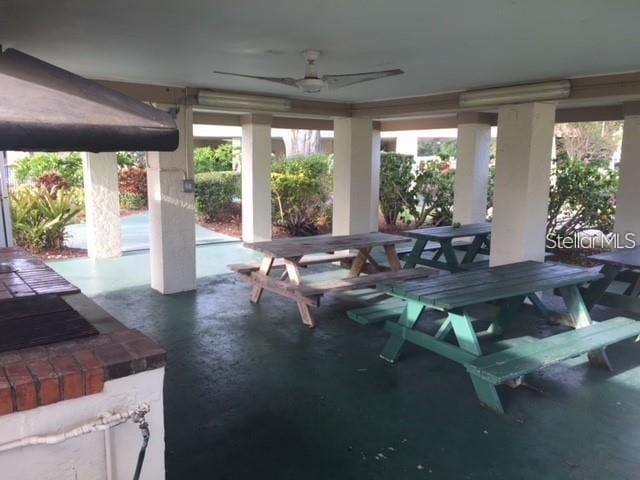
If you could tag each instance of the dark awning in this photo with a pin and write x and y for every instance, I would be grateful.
(46, 108)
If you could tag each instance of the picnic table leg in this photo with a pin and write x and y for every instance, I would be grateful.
(392, 258)
(415, 254)
(596, 289)
(507, 309)
(581, 318)
(473, 250)
(291, 266)
(468, 340)
(450, 255)
(359, 262)
(265, 268)
(634, 287)
(408, 319)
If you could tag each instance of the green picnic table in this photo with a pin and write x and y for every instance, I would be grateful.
(622, 266)
(444, 256)
(508, 286)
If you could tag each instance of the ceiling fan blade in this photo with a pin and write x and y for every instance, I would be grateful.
(339, 81)
(281, 80)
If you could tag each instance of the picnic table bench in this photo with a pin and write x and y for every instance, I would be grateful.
(623, 266)
(442, 242)
(508, 286)
(292, 254)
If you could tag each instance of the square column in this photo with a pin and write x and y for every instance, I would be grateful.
(521, 197)
(375, 177)
(172, 214)
(6, 230)
(102, 205)
(353, 176)
(472, 173)
(627, 218)
(256, 178)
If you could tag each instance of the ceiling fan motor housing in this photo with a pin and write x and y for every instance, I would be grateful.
(311, 85)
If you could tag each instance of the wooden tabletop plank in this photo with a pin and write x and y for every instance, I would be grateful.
(295, 247)
(624, 257)
(489, 284)
(515, 289)
(449, 232)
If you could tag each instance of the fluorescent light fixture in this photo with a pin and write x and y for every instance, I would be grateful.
(249, 103)
(518, 94)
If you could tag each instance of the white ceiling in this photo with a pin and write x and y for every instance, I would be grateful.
(442, 45)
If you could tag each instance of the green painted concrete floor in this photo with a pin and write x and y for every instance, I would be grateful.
(252, 394)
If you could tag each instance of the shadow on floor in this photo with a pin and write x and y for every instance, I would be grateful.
(251, 393)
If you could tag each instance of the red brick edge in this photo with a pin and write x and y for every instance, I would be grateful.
(44, 375)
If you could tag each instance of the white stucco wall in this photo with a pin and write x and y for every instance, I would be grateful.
(84, 457)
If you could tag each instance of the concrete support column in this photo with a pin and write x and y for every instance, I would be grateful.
(521, 197)
(627, 219)
(256, 178)
(102, 205)
(353, 176)
(375, 177)
(6, 230)
(172, 214)
(472, 173)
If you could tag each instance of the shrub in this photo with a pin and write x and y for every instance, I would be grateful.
(133, 180)
(432, 193)
(130, 159)
(216, 194)
(582, 197)
(300, 189)
(219, 159)
(396, 179)
(40, 217)
(52, 182)
(67, 166)
(132, 201)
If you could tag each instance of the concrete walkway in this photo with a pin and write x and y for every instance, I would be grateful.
(251, 393)
(135, 234)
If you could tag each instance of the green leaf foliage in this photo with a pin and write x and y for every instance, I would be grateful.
(396, 180)
(582, 197)
(217, 195)
(68, 166)
(432, 193)
(40, 216)
(219, 159)
(300, 190)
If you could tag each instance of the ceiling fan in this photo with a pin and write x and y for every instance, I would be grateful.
(314, 83)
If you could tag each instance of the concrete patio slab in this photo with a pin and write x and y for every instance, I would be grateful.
(135, 234)
(251, 393)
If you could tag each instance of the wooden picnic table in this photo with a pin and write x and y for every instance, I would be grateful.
(445, 249)
(622, 265)
(508, 286)
(292, 254)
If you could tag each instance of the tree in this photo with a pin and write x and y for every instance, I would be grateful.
(396, 179)
(301, 142)
(588, 140)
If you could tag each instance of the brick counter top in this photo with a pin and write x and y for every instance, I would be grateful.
(37, 376)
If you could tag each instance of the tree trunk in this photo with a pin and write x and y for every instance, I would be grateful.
(301, 142)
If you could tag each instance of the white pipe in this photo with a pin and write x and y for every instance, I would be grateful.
(107, 454)
(104, 422)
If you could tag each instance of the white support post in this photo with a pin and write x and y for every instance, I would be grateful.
(352, 175)
(6, 230)
(256, 178)
(172, 215)
(521, 198)
(375, 178)
(627, 219)
(472, 173)
(102, 205)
